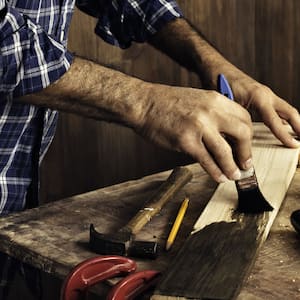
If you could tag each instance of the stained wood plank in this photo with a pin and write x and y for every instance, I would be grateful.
(220, 251)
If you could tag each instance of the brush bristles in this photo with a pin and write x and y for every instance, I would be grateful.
(250, 198)
(252, 202)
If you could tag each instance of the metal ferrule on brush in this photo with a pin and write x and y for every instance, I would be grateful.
(247, 181)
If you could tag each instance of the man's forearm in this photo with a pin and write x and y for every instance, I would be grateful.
(94, 91)
(189, 120)
(183, 43)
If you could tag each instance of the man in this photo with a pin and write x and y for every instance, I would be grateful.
(38, 74)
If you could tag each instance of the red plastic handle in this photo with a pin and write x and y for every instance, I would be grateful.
(92, 271)
(133, 285)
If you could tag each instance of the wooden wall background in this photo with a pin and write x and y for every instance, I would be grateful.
(259, 36)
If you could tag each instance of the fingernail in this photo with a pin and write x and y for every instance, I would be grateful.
(248, 164)
(222, 178)
(297, 143)
(236, 175)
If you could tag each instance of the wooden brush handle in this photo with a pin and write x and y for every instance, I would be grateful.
(177, 179)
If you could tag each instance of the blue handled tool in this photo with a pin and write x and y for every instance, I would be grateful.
(250, 198)
(224, 87)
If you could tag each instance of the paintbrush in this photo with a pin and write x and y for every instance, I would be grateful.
(250, 198)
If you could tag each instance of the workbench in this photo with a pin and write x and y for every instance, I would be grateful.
(54, 237)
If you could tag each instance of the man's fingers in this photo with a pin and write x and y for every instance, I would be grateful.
(239, 134)
(241, 145)
(273, 110)
(224, 145)
(222, 153)
(194, 121)
(274, 122)
(289, 113)
(209, 165)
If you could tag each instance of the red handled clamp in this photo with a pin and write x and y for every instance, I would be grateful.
(97, 269)
(133, 285)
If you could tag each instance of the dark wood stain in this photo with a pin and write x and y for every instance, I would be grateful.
(213, 262)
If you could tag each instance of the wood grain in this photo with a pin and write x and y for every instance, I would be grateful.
(223, 239)
(213, 260)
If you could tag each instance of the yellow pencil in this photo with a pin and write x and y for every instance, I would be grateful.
(177, 223)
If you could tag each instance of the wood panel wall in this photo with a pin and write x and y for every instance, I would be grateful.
(259, 36)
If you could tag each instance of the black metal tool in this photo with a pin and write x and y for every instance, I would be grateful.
(122, 242)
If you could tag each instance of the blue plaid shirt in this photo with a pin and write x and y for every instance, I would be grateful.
(33, 45)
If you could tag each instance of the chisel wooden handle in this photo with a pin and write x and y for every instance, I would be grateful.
(177, 179)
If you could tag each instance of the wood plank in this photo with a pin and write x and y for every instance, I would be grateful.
(275, 274)
(223, 245)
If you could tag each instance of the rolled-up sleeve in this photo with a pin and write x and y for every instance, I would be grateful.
(121, 22)
(30, 59)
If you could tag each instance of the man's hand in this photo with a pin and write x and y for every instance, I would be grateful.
(187, 46)
(274, 111)
(196, 122)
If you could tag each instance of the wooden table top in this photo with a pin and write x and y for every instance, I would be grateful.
(54, 237)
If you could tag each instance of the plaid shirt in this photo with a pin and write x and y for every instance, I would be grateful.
(33, 41)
